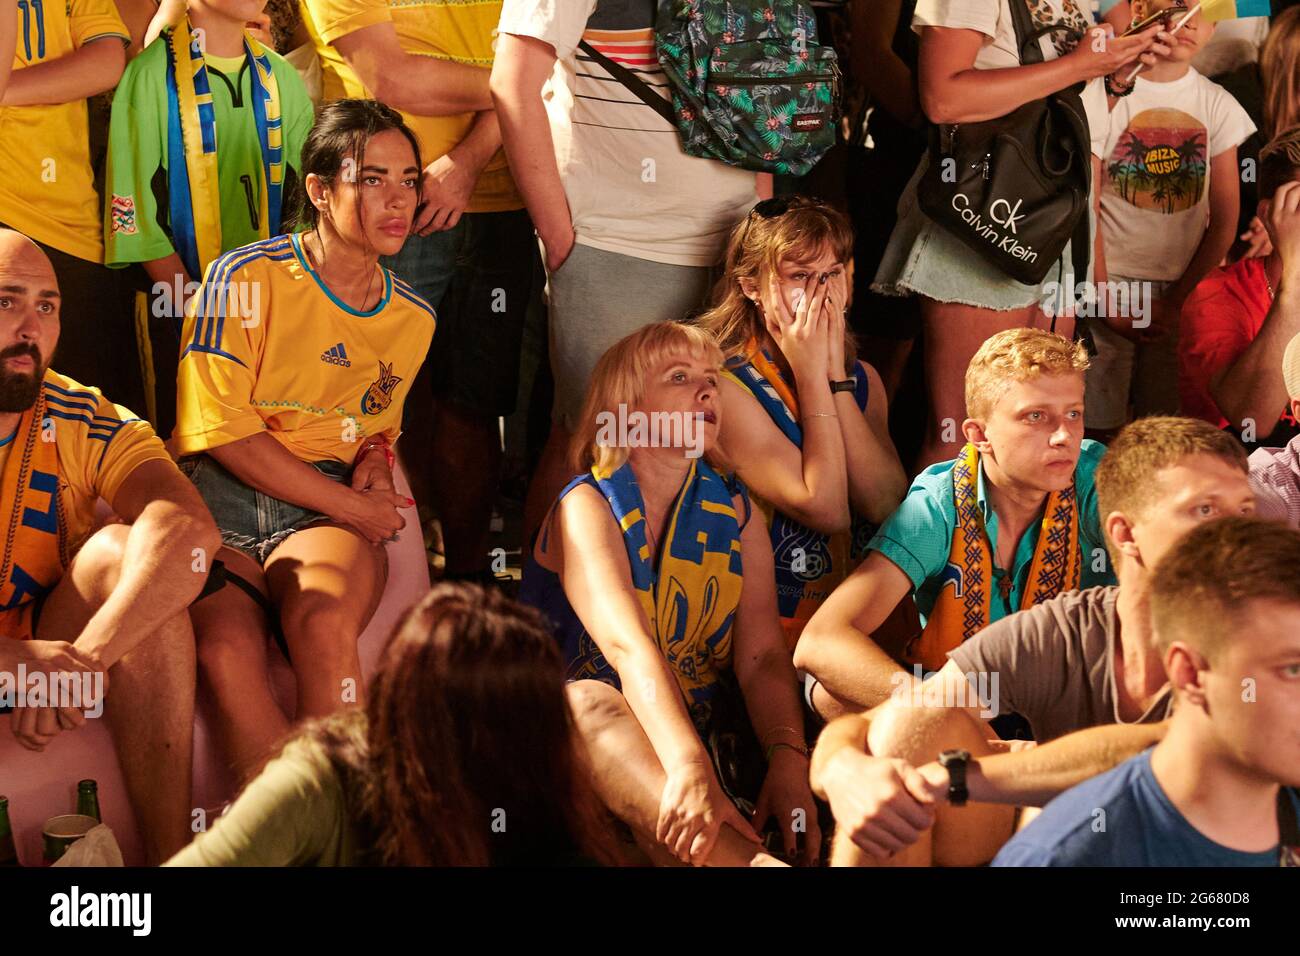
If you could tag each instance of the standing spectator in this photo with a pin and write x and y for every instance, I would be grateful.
(887, 325)
(1240, 318)
(1168, 216)
(969, 70)
(1268, 90)
(631, 224)
(1279, 65)
(176, 205)
(471, 253)
(63, 54)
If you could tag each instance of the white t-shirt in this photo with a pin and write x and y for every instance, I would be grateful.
(1155, 192)
(1000, 50)
(631, 189)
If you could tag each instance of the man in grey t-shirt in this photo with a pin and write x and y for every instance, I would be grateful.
(1086, 659)
(1056, 666)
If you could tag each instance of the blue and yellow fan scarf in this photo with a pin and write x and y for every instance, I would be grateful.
(962, 610)
(36, 551)
(690, 600)
(809, 564)
(192, 180)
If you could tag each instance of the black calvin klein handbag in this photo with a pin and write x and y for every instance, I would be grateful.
(1015, 188)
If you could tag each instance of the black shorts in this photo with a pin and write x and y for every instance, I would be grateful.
(480, 278)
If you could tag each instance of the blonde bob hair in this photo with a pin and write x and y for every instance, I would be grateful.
(620, 379)
(788, 228)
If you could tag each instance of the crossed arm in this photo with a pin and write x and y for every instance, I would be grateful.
(409, 82)
(836, 647)
(886, 803)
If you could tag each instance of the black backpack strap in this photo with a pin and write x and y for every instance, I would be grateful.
(1030, 52)
(643, 91)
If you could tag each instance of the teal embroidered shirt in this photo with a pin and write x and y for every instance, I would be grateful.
(918, 535)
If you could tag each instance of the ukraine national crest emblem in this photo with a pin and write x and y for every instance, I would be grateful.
(380, 393)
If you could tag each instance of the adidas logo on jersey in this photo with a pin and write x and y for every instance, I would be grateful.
(338, 355)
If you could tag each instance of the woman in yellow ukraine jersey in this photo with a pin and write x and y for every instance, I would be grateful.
(297, 355)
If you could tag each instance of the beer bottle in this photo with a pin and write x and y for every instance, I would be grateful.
(8, 852)
(88, 799)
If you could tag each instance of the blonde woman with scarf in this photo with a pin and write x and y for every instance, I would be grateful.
(658, 580)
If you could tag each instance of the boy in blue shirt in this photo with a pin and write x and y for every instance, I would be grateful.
(1220, 788)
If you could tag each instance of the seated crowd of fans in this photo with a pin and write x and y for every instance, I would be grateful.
(839, 544)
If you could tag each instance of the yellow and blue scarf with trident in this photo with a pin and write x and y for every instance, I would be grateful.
(192, 182)
(690, 599)
(962, 610)
(36, 546)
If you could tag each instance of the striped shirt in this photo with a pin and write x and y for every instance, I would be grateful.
(631, 188)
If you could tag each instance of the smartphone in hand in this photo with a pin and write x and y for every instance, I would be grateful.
(1165, 15)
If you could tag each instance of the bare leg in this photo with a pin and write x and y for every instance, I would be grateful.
(327, 581)
(961, 836)
(889, 357)
(232, 638)
(953, 333)
(629, 778)
(464, 474)
(150, 700)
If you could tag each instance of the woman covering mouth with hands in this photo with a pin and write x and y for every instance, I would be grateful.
(808, 424)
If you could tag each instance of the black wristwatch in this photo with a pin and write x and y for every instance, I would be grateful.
(843, 385)
(955, 761)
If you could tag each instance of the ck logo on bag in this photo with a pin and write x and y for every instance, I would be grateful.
(1001, 213)
(1009, 216)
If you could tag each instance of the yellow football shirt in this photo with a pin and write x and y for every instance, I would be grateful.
(47, 190)
(456, 30)
(267, 347)
(99, 445)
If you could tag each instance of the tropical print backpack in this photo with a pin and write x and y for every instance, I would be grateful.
(750, 84)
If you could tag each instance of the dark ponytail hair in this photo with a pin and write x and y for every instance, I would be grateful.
(341, 131)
